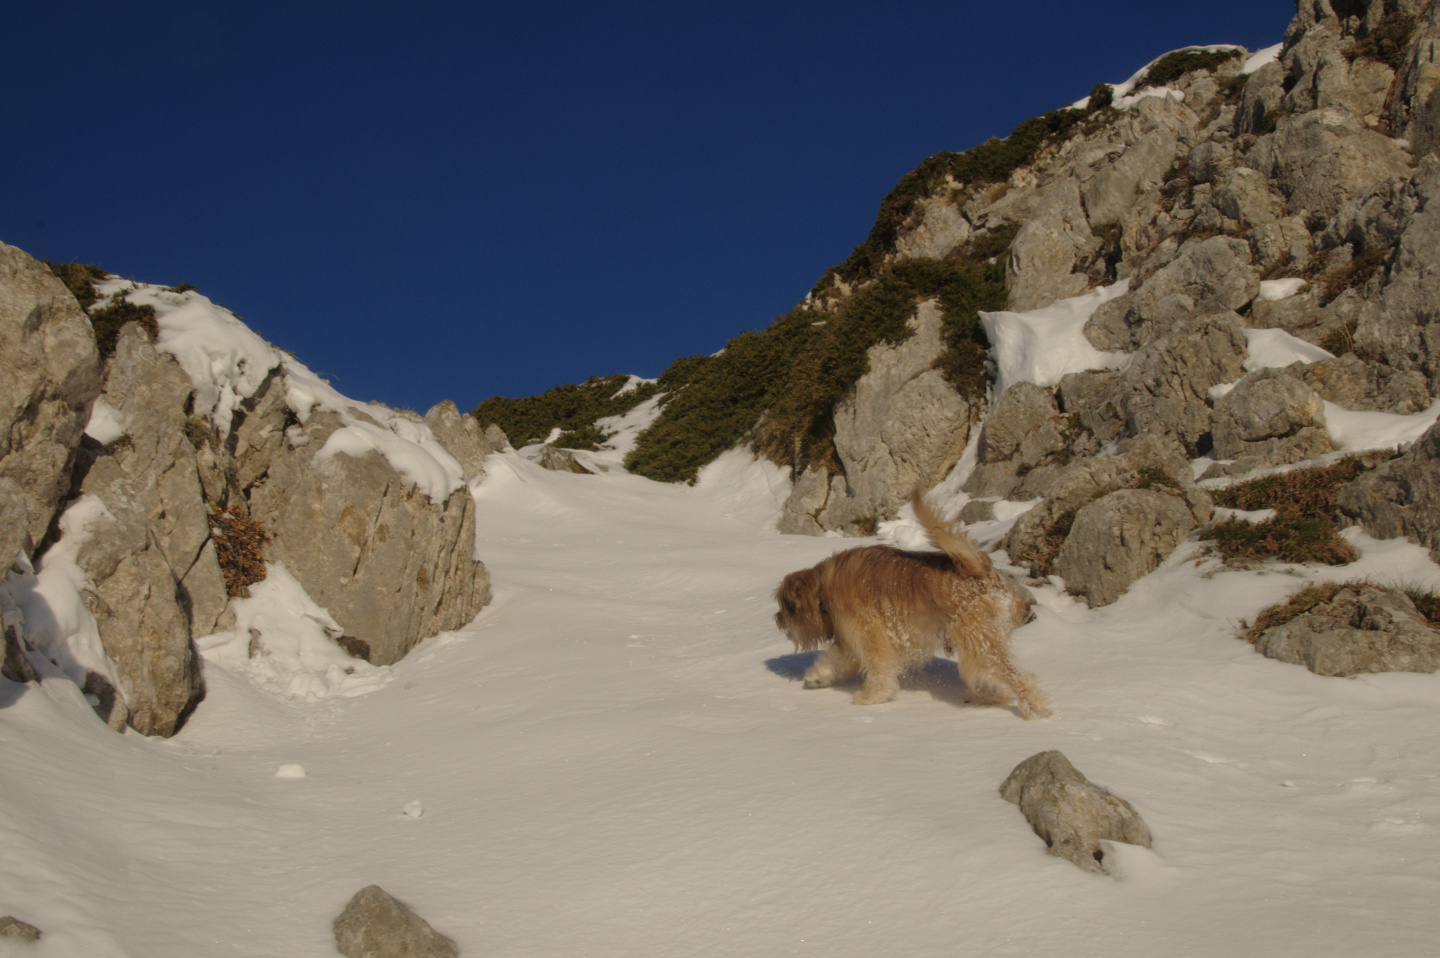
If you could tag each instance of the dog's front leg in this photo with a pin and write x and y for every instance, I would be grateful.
(835, 664)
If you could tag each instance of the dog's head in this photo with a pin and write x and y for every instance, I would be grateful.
(802, 614)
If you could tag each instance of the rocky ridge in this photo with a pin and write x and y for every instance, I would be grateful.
(163, 486)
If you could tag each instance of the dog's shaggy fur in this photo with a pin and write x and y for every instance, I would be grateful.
(883, 611)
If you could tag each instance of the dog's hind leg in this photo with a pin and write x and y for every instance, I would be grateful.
(834, 664)
(882, 667)
(985, 666)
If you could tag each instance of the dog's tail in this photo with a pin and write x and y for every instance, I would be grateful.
(961, 549)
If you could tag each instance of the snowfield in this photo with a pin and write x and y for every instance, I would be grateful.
(617, 759)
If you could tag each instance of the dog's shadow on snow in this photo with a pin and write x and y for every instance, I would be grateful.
(939, 677)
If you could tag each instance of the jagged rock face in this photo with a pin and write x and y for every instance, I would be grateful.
(1362, 629)
(137, 607)
(150, 391)
(391, 566)
(1165, 389)
(1401, 497)
(1039, 268)
(49, 377)
(1401, 326)
(463, 438)
(941, 229)
(903, 426)
(1355, 384)
(1325, 157)
(1022, 430)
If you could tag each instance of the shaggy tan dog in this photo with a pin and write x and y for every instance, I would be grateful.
(882, 611)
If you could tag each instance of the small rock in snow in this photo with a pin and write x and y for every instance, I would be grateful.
(290, 771)
(414, 809)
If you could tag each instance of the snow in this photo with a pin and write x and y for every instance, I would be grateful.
(227, 363)
(1271, 348)
(1352, 431)
(1125, 95)
(1043, 345)
(1259, 58)
(106, 424)
(617, 758)
(1276, 289)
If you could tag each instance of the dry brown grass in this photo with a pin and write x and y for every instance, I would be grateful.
(239, 547)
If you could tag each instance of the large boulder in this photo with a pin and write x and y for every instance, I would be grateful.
(1070, 813)
(941, 228)
(1165, 389)
(1273, 416)
(1206, 277)
(1351, 382)
(1119, 538)
(1363, 628)
(49, 377)
(390, 564)
(1039, 268)
(1400, 497)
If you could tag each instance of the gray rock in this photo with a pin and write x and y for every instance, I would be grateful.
(1351, 382)
(14, 523)
(1273, 416)
(560, 460)
(1070, 813)
(1119, 538)
(1323, 158)
(150, 391)
(1165, 389)
(902, 426)
(463, 438)
(393, 567)
(1207, 276)
(1245, 197)
(1425, 127)
(1400, 497)
(1086, 480)
(376, 925)
(143, 625)
(1140, 168)
(12, 927)
(807, 498)
(49, 377)
(15, 664)
(941, 229)
(1285, 244)
(1419, 75)
(1399, 326)
(1362, 629)
(1039, 268)
(1210, 161)
(1018, 414)
(1264, 92)
(1094, 398)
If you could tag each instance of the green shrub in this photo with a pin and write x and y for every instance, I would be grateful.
(180, 288)
(778, 387)
(572, 407)
(1172, 66)
(79, 278)
(110, 319)
(1102, 95)
(990, 162)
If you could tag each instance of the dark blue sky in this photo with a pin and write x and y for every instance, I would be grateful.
(463, 200)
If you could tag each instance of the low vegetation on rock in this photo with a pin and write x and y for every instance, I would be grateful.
(571, 407)
(1304, 527)
(239, 548)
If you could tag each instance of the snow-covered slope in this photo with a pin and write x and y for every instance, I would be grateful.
(617, 758)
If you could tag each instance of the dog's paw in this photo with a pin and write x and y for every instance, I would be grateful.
(818, 677)
(876, 693)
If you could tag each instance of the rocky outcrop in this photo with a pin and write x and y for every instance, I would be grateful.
(1070, 813)
(1206, 277)
(376, 925)
(49, 377)
(903, 426)
(1362, 628)
(1400, 497)
(463, 438)
(361, 503)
